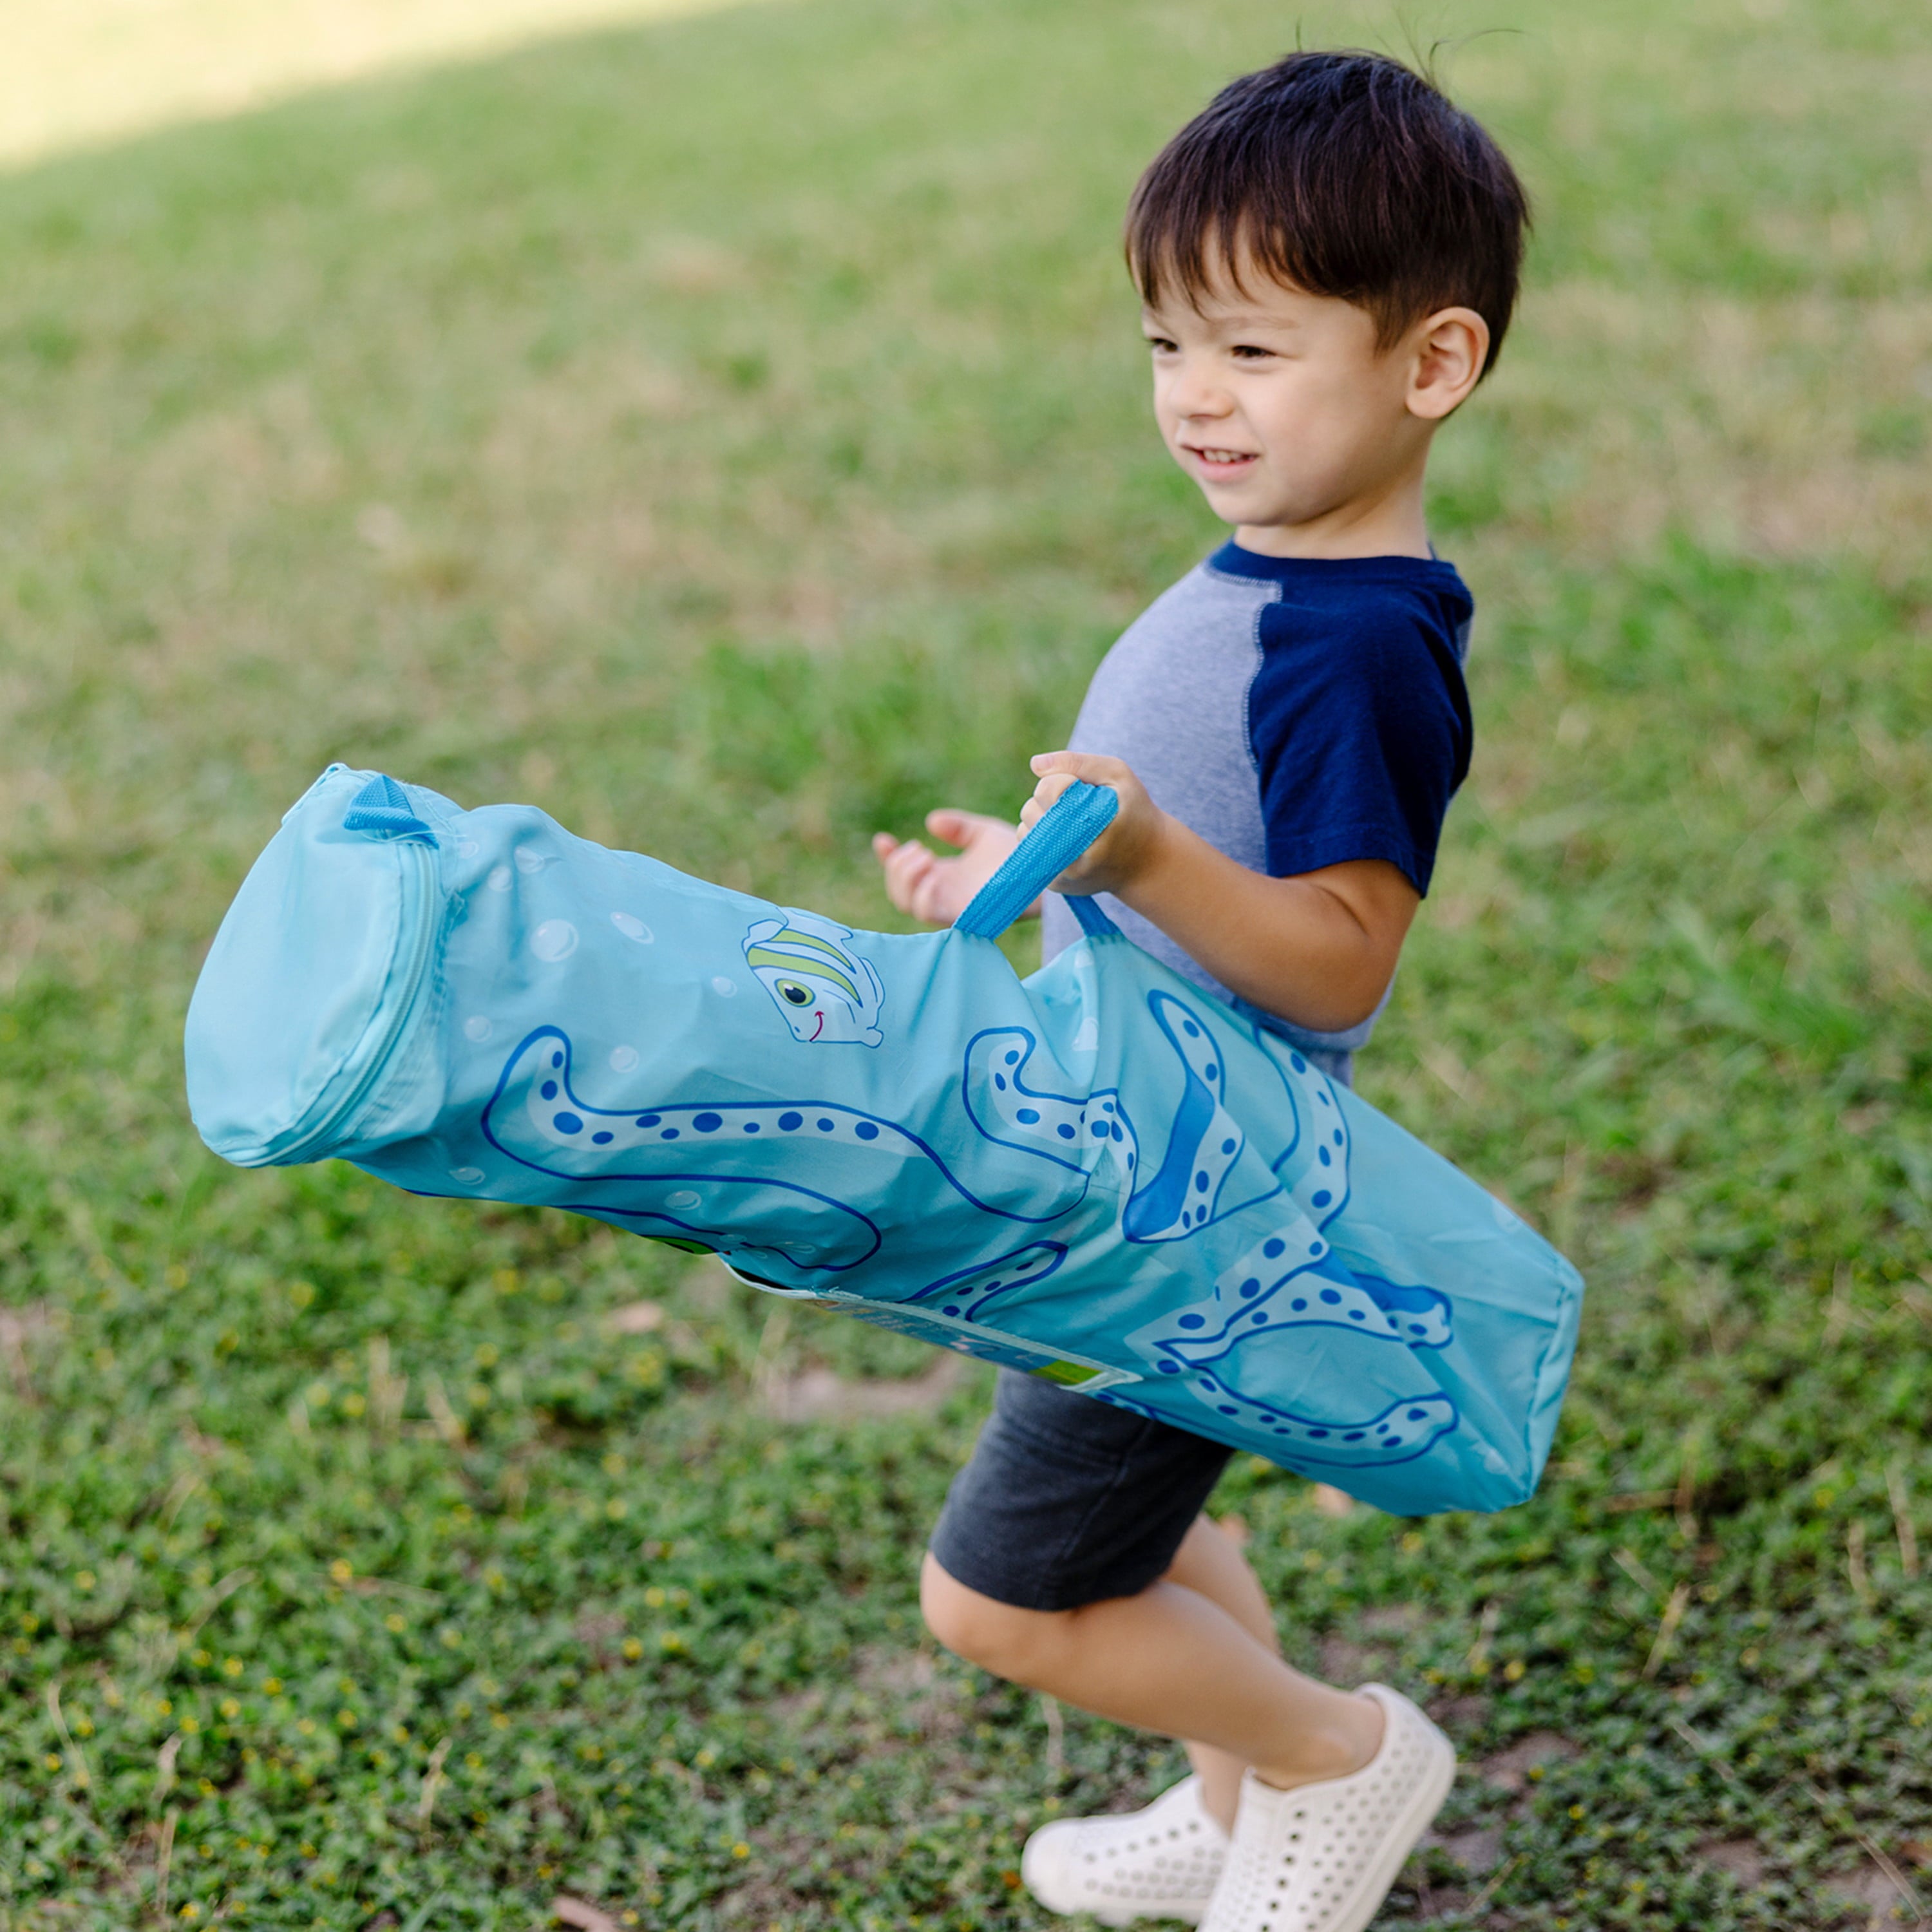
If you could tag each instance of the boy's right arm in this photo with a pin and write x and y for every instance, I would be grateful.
(937, 889)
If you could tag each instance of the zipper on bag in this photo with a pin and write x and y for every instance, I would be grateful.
(415, 940)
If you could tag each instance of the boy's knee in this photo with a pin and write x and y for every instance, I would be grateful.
(1016, 1644)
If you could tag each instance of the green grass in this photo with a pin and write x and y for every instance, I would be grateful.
(731, 437)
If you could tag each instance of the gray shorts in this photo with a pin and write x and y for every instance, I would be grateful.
(1066, 1501)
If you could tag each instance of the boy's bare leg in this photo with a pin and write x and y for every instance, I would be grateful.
(1210, 1563)
(1193, 1657)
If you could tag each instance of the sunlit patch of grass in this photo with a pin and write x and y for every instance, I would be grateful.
(82, 72)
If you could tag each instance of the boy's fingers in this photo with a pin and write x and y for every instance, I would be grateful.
(951, 824)
(1044, 794)
(929, 903)
(1093, 767)
(904, 870)
(884, 846)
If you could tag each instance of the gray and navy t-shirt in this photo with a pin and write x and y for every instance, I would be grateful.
(1297, 713)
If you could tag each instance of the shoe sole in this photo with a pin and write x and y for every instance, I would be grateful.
(1176, 1912)
(1188, 1915)
(1423, 1807)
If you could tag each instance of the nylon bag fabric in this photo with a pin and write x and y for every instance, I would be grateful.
(1098, 1174)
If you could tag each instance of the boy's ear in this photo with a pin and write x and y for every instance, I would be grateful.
(1449, 349)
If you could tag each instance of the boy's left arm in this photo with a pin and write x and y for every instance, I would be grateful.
(1319, 950)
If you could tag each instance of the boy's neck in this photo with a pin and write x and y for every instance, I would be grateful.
(1387, 522)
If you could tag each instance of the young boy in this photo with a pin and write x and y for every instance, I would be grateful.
(1327, 258)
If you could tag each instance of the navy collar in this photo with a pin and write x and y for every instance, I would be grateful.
(1232, 560)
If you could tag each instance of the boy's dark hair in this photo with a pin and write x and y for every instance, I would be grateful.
(1345, 174)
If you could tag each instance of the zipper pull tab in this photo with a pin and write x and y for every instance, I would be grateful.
(382, 810)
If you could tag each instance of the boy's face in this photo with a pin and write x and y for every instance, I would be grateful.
(1281, 406)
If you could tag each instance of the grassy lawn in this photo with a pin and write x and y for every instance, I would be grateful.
(79, 73)
(731, 436)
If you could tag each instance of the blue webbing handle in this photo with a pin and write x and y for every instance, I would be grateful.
(1071, 824)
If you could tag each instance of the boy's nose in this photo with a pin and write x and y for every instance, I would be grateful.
(1199, 396)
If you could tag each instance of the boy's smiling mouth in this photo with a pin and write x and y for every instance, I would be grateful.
(1221, 462)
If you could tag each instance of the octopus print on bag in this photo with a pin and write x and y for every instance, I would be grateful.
(1102, 1175)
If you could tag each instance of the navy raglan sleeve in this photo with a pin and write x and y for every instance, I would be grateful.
(1361, 733)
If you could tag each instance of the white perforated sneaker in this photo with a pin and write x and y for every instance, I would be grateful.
(1160, 1863)
(1322, 1857)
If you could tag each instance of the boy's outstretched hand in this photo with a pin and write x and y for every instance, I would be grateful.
(937, 889)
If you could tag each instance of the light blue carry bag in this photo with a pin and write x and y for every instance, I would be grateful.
(1098, 1174)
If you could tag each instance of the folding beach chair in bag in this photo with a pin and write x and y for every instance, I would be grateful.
(1098, 1174)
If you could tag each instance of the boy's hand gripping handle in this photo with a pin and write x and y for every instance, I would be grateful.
(1071, 824)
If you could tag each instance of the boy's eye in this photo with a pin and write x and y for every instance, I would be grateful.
(1161, 345)
(1252, 352)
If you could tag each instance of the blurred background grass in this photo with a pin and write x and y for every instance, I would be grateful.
(731, 435)
(80, 73)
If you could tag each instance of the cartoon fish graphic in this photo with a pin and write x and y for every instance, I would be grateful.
(827, 994)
